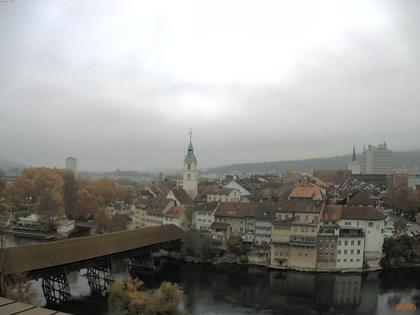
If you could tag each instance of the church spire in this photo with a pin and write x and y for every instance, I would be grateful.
(354, 153)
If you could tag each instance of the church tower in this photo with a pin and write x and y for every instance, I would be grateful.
(354, 165)
(190, 174)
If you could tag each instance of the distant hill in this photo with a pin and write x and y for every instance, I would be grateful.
(402, 160)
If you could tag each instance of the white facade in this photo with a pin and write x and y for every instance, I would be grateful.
(71, 164)
(377, 160)
(202, 219)
(224, 195)
(262, 231)
(350, 251)
(371, 243)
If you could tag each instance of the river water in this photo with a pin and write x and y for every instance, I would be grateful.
(232, 289)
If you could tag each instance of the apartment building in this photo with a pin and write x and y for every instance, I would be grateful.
(224, 195)
(240, 216)
(203, 215)
(343, 239)
(294, 234)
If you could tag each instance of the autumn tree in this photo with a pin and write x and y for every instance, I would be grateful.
(88, 203)
(2, 183)
(70, 189)
(106, 222)
(131, 298)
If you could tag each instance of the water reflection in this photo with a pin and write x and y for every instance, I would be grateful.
(249, 290)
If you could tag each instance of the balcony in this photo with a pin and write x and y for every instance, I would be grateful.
(351, 232)
(303, 241)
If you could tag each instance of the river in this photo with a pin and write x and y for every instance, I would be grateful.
(233, 289)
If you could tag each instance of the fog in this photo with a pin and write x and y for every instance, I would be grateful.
(118, 84)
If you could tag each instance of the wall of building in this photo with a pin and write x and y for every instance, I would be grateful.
(202, 220)
(350, 251)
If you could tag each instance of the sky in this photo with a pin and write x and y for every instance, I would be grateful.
(118, 84)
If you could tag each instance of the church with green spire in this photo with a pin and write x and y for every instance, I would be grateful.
(190, 171)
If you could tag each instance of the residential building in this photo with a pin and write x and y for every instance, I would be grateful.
(175, 215)
(203, 215)
(224, 195)
(71, 164)
(294, 234)
(240, 216)
(190, 172)
(326, 237)
(377, 160)
(307, 191)
(237, 184)
(264, 215)
(360, 236)
(180, 196)
(220, 234)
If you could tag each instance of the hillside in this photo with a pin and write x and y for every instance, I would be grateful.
(402, 160)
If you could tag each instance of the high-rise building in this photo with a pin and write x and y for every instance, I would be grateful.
(190, 172)
(377, 160)
(71, 164)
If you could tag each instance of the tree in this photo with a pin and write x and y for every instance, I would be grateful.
(51, 206)
(2, 183)
(131, 298)
(106, 222)
(20, 289)
(70, 189)
(3, 259)
(88, 203)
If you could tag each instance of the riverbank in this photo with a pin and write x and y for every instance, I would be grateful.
(231, 259)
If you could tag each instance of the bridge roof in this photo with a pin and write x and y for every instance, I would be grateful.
(54, 254)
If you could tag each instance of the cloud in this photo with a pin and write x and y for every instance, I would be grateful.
(119, 84)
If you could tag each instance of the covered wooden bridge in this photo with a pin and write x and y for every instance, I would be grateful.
(52, 261)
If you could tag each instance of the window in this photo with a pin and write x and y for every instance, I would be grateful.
(346, 243)
(370, 224)
(352, 252)
(339, 251)
(345, 252)
(347, 223)
(358, 243)
(345, 260)
(358, 251)
(339, 243)
(352, 243)
(306, 218)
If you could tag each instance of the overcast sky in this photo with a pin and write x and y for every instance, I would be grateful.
(118, 84)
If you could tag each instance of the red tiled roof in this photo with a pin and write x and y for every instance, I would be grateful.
(304, 192)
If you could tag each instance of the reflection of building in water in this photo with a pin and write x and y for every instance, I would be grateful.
(282, 292)
(347, 289)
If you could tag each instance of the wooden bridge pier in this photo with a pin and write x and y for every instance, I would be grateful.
(141, 264)
(100, 277)
(56, 288)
